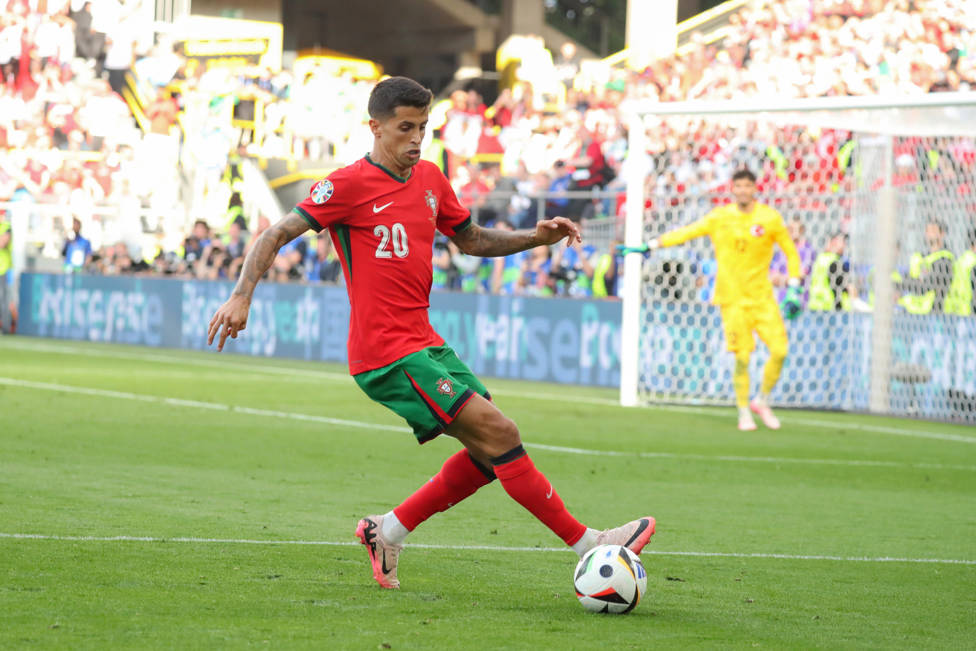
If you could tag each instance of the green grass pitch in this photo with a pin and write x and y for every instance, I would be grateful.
(165, 499)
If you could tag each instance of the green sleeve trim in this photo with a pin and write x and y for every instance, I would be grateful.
(463, 225)
(314, 225)
(342, 233)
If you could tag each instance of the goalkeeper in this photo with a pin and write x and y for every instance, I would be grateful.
(743, 234)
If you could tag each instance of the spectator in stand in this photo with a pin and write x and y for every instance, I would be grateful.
(534, 279)
(162, 112)
(591, 173)
(572, 270)
(831, 283)
(90, 43)
(325, 266)
(443, 270)
(289, 265)
(196, 247)
(501, 112)
(473, 190)
(161, 65)
(567, 63)
(77, 251)
(215, 263)
(468, 268)
(506, 271)
(501, 189)
(235, 243)
(556, 205)
(961, 299)
(930, 275)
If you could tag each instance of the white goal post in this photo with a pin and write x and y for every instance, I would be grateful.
(875, 204)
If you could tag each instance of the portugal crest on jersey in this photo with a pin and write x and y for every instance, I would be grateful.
(445, 387)
(321, 191)
(757, 230)
(432, 204)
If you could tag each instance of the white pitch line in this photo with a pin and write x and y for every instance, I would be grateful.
(745, 459)
(225, 363)
(48, 386)
(489, 548)
(286, 371)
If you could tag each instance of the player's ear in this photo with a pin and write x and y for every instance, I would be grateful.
(374, 126)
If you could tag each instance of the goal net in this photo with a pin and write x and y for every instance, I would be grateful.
(880, 198)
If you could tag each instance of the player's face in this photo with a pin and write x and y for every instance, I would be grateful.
(397, 139)
(744, 191)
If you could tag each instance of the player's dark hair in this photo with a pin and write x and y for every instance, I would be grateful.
(971, 237)
(397, 91)
(744, 174)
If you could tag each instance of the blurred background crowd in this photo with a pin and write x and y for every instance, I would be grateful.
(128, 155)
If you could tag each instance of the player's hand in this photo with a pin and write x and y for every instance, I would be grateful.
(792, 303)
(623, 249)
(229, 319)
(550, 231)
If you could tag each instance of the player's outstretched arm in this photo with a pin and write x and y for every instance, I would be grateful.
(231, 317)
(491, 242)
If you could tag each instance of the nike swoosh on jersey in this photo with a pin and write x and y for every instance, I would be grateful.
(377, 209)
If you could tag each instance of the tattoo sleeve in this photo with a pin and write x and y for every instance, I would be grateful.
(492, 242)
(263, 253)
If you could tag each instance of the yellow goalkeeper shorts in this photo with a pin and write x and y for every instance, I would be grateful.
(740, 320)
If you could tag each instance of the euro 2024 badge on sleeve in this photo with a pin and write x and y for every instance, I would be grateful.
(321, 191)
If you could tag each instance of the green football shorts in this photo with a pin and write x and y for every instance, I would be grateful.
(427, 388)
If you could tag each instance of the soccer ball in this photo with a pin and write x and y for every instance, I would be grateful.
(610, 579)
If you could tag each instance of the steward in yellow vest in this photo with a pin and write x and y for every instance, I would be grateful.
(830, 286)
(929, 276)
(961, 291)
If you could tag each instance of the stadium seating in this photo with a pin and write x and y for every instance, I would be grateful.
(62, 142)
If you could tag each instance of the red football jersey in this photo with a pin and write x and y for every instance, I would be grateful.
(383, 226)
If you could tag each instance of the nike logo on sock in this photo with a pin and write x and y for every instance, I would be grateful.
(377, 209)
(549, 494)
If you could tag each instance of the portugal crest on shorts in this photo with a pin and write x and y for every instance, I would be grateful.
(431, 201)
(321, 191)
(757, 230)
(445, 387)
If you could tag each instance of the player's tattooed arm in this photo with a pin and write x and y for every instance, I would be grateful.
(261, 256)
(491, 242)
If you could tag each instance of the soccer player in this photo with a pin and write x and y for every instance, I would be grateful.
(743, 234)
(381, 213)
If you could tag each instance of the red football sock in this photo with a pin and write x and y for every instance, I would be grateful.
(531, 489)
(459, 478)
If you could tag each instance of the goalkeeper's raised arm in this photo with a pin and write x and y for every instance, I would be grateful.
(672, 238)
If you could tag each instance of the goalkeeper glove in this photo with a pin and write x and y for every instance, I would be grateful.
(642, 248)
(792, 303)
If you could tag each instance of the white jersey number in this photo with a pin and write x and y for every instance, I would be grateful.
(398, 235)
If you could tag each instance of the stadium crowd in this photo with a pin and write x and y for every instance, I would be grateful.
(511, 161)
